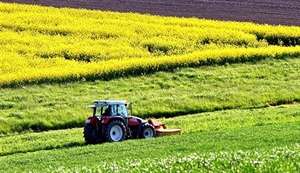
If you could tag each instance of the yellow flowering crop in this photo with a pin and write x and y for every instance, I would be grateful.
(46, 44)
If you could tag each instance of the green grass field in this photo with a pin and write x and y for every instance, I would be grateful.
(241, 134)
(184, 91)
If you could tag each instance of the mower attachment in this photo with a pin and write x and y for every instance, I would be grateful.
(162, 130)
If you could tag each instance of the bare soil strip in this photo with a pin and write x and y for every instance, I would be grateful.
(273, 12)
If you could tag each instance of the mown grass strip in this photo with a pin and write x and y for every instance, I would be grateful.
(102, 157)
(204, 122)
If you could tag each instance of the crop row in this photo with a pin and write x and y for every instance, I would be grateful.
(111, 24)
(16, 69)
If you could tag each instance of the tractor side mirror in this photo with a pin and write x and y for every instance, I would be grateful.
(129, 108)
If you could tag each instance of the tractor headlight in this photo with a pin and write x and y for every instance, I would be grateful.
(87, 121)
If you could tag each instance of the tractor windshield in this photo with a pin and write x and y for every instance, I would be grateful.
(96, 111)
(122, 111)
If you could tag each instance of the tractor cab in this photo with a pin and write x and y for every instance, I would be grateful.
(111, 108)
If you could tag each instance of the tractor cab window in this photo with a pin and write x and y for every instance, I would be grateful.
(105, 110)
(114, 110)
(122, 110)
(109, 110)
(97, 111)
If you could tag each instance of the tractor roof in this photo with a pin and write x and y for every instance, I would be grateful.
(101, 103)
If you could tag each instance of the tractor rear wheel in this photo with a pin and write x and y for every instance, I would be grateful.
(115, 131)
(91, 135)
(147, 131)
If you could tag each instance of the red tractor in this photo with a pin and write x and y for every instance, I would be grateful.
(111, 122)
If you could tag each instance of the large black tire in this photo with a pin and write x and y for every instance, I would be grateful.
(148, 131)
(115, 131)
(90, 134)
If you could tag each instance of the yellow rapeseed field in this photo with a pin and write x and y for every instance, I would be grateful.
(46, 44)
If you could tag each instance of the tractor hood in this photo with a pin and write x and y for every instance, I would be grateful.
(133, 120)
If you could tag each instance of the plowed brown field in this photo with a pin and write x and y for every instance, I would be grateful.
(285, 12)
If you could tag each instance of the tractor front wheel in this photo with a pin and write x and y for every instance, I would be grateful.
(115, 131)
(147, 131)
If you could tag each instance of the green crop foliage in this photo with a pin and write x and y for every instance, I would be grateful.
(265, 148)
(277, 160)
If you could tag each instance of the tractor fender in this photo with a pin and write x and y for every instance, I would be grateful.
(92, 120)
